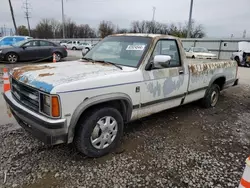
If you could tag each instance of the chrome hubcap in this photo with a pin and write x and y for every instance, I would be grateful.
(12, 58)
(214, 98)
(104, 132)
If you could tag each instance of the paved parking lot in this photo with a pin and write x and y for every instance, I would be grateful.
(184, 147)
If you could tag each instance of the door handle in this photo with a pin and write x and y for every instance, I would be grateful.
(181, 72)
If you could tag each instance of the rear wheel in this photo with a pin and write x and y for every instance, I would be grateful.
(12, 58)
(212, 96)
(58, 56)
(100, 132)
(74, 48)
(193, 57)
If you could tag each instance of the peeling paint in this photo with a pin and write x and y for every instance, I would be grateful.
(46, 74)
(17, 72)
(154, 89)
(203, 67)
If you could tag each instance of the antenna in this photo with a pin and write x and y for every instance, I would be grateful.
(26, 6)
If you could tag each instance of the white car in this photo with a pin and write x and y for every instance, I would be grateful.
(78, 45)
(200, 53)
(242, 56)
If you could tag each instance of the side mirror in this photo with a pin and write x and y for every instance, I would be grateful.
(84, 51)
(161, 61)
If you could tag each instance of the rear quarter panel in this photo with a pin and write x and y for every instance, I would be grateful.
(204, 73)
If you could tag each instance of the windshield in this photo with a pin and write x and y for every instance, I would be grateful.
(122, 50)
(200, 50)
(20, 43)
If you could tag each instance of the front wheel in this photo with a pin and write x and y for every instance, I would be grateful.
(99, 132)
(74, 48)
(211, 97)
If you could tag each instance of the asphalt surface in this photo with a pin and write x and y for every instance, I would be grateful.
(183, 147)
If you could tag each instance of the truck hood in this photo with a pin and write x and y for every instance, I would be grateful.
(47, 76)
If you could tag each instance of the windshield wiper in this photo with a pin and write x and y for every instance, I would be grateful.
(108, 62)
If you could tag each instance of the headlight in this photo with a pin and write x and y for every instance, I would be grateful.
(50, 105)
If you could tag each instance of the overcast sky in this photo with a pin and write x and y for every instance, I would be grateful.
(220, 18)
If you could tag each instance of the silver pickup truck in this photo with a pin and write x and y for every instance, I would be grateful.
(123, 78)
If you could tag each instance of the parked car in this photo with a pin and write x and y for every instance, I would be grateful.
(78, 45)
(64, 43)
(32, 49)
(87, 102)
(200, 53)
(9, 40)
(242, 56)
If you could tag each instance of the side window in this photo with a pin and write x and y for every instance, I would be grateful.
(31, 44)
(69, 42)
(7, 41)
(170, 48)
(45, 43)
(74, 42)
(18, 39)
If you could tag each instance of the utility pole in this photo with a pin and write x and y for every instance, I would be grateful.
(153, 19)
(63, 20)
(13, 17)
(244, 34)
(27, 14)
(190, 19)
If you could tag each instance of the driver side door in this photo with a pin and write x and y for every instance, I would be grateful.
(29, 50)
(163, 87)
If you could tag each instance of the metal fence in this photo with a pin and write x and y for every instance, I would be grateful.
(222, 47)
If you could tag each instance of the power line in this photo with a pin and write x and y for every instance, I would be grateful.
(26, 7)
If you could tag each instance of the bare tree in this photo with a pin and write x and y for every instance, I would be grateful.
(44, 29)
(106, 28)
(138, 27)
(22, 30)
(56, 28)
(84, 31)
(70, 28)
(13, 17)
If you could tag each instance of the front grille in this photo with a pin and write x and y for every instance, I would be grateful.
(25, 95)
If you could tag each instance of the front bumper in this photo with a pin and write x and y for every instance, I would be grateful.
(50, 131)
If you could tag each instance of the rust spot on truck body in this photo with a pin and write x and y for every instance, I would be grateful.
(202, 68)
(46, 74)
(19, 71)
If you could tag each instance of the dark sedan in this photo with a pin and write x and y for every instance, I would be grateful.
(33, 49)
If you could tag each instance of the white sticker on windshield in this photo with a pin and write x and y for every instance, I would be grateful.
(135, 47)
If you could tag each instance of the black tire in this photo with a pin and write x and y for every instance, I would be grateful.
(11, 57)
(74, 48)
(213, 91)
(237, 59)
(58, 56)
(87, 49)
(193, 57)
(86, 127)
